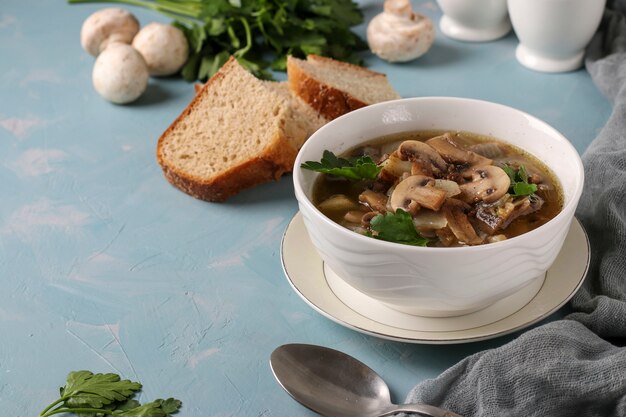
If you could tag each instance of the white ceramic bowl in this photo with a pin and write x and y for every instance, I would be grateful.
(439, 281)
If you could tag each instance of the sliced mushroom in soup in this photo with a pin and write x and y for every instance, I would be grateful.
(446, 188)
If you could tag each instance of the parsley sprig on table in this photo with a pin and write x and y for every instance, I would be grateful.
(359, 168)
(97, 395)
(397, 227)
(519, 181)
(257, 30)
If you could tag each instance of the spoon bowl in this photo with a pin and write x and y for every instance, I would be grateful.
(334, 384)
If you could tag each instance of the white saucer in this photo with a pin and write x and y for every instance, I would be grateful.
(324, 291)
(369, 307)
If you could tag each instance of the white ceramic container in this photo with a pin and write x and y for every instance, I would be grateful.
(439, 281)
(553, 34)
(474, 20)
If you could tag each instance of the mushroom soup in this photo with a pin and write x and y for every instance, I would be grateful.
(437, 188)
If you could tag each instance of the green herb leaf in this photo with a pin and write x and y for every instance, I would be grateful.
(519, 181)
(86, 389)
(397, 227)
(523, 189)
(359, 168)
(106, 410)
(171, 405)
(157, 408)
(522, 174)
(87, 394)
(510, 171)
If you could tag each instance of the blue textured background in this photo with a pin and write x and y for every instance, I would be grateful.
(104, 266)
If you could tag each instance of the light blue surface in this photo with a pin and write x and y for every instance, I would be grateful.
(105, 266)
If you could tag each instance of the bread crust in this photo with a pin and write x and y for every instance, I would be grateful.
(330, 102)
(271, 166)
(277, 158)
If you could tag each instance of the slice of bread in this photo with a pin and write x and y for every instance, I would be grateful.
(334, 88)
(305, 116)
(237, 132)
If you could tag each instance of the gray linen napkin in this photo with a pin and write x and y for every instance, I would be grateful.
(575, 366)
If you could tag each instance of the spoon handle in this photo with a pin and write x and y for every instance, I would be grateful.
(423, 409)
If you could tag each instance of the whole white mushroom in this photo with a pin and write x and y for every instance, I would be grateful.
(120, 74)
(107, 26)
(399, 34)
(164, 47)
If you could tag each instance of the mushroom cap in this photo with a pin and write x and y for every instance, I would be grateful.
(489, 183)
(451, 152)
(399, 34)
(120, 74)
(416, 150)
(164, 47)
(107, 26)
(419, 189)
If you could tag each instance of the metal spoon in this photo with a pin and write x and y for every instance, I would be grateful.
(334, 384)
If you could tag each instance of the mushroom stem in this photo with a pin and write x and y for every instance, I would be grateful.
(459, 224)
(375, 201)
(393, 167)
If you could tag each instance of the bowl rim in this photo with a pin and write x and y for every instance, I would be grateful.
(554, 133)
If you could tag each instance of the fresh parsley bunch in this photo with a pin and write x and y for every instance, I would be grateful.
(259, 33)
(519, 181)
(97, 395)
(360, 168)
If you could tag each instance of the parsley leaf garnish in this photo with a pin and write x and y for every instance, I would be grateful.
(360, 168)
(519, 181)
(84, 388)
(96, 395)
(397, 227)
(157, 408)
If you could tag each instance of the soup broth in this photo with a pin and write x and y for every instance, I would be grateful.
(459, 189)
